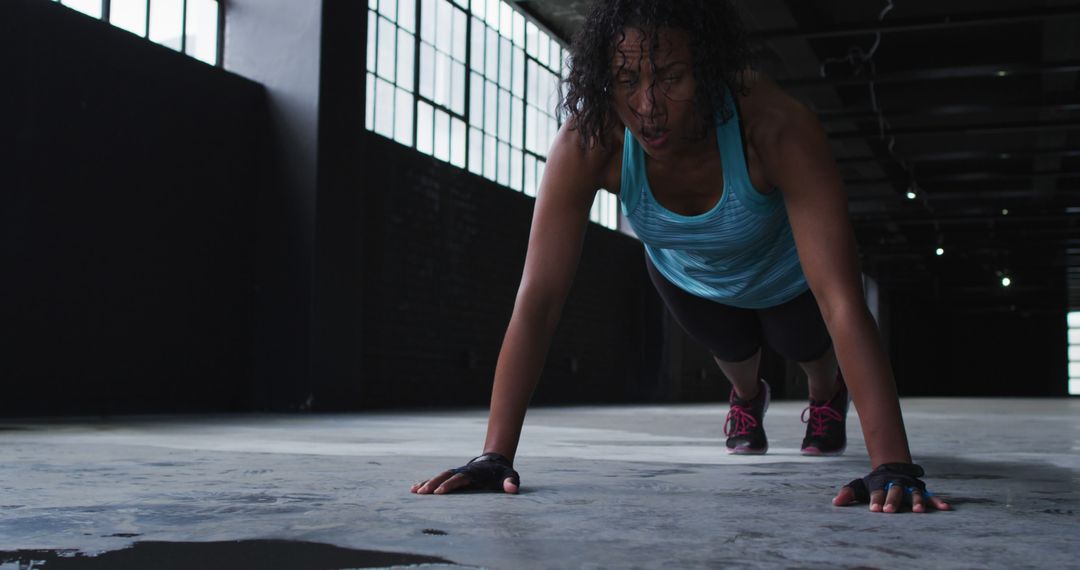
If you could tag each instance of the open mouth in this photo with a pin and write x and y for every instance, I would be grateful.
(654, 137)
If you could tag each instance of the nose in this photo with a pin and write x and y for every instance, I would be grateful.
(643, 102)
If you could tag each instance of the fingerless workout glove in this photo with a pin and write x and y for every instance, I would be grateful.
(905, 475)
(488, 471)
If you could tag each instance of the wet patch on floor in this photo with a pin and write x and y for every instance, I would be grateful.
(225, 555)
(967, 476)
(662, 472)
(954, 501)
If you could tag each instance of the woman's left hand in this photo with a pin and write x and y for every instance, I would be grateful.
(888, 487)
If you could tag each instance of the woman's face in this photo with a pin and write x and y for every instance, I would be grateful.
(654, 96)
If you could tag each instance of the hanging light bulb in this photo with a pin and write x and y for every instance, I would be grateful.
(1005, 281)
(940, 251)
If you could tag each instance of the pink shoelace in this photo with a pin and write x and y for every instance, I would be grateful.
(739, 420)
(819, 417)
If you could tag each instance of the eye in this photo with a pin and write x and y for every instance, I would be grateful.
(672, 78)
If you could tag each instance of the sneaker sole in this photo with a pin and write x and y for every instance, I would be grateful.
(745, 451)
(818, 453)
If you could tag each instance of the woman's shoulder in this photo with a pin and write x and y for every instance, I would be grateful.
(766, 109)
(772, 117)
(599, 160)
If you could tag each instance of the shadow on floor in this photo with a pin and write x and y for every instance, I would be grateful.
(263, 554)
(1030, 486)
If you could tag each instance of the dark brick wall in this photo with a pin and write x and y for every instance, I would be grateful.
(127, 182)
(442, 255)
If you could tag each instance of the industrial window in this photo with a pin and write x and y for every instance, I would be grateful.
(487, 88)
(391, 65)
(1074, 353)
(188, 26)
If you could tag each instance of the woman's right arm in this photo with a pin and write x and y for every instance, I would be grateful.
(571, 179)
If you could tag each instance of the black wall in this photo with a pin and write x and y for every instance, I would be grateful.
(939, 349)
(442, 252)
(129, 177)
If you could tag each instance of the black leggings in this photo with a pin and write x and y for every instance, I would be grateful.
(794, 329)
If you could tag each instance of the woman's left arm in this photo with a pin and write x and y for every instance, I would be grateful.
(795, 154)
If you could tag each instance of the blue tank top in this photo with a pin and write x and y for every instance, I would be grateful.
(739, 253)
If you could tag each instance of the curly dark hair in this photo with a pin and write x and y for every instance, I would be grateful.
(717, 39)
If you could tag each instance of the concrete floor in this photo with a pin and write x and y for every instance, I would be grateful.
(603, 487)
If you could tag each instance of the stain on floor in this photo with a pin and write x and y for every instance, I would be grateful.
(225, 555)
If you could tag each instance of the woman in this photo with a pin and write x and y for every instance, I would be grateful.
(730, 184)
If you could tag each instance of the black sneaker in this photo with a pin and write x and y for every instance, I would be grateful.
(743, 425)
(826, 423)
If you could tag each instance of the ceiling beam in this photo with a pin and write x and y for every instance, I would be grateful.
(857, 114)
(983, 129)
(960, 156)
(983, 220)
(973, 196)
(984, 176)
(922, 24)
(994, 71)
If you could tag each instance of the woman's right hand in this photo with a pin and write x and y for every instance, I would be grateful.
(488, 472)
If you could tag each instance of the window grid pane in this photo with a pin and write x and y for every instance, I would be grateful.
(444, 25)
(506, 19)
(427, 70)
(476, 151)
(477, 55)
(457, 143)
(403, 118)
(405, 59)
(442, 135)
(491, 53)
(489, 157)
(530, 175)
(373, 34)
(386, 51)
(427, 21)
(384, 108)
(460, 29)
(166, 22)
(388, 8)
(91, 8)
(1072, 320)
(515, 169)
(369, 120)
(425, 130)
(457, 88)
(504, 164)
(504, 115)
(476, 101)
(442, 78)
(406, 17)
(130, 15)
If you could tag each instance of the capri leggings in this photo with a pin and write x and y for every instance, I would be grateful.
(794, 329)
